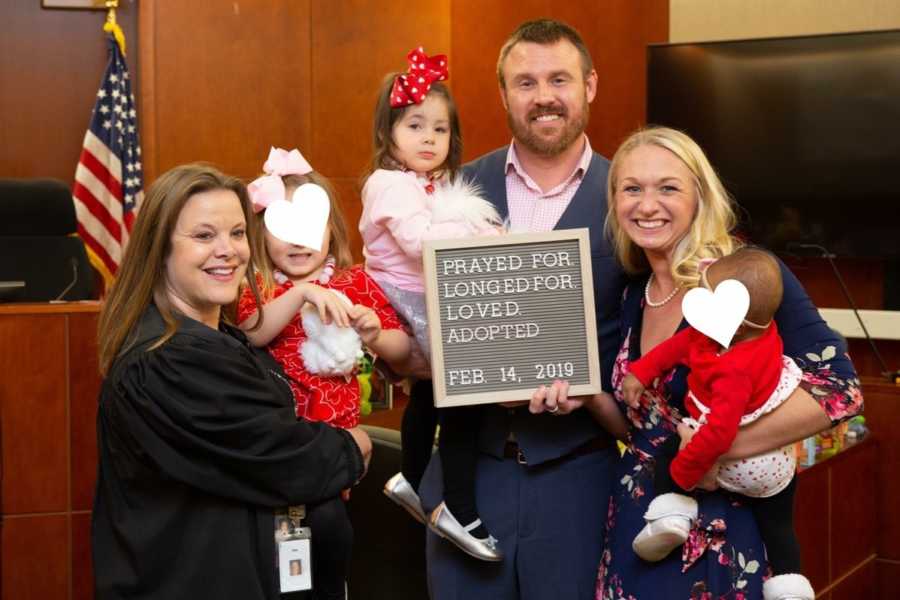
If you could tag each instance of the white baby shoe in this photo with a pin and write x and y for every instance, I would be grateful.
(669, 518)
(790, 586)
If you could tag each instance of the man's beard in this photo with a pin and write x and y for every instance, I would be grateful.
(549, 147)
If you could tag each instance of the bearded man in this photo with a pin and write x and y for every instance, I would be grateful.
(543, 480)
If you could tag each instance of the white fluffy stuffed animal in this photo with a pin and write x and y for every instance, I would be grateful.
(462, 201)
(328, 350)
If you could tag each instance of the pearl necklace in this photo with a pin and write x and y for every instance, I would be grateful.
(653, 304)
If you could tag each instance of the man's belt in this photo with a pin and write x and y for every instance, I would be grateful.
(511, 450)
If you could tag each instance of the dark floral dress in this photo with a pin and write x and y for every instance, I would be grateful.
(724, 556)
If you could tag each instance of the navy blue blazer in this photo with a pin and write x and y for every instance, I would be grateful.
(542, 437)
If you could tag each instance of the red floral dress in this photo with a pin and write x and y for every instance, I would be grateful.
(334, 400)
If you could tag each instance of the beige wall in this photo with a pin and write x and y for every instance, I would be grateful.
(705, 20)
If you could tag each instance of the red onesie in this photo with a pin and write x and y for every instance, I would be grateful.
(730, 383)
(334, 400)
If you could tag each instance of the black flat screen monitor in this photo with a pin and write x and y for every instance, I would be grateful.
(804, 131)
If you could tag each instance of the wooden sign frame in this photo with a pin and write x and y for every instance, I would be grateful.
(520, 388)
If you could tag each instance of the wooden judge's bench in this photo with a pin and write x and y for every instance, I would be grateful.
(847, 506)
(49, 383)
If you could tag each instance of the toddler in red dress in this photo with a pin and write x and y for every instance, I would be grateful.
(296, 280)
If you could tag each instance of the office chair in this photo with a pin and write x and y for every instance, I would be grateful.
(38, 245)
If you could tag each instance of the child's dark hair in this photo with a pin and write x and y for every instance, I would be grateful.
(761, 275)
(383, 126)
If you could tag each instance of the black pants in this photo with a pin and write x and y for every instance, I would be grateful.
(458, 446)
(332, 544)
(774, 515)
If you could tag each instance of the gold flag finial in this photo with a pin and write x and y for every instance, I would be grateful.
(111, 26)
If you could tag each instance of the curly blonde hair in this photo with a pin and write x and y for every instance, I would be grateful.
(709, 236)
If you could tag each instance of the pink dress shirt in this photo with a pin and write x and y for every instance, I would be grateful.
(531, 209)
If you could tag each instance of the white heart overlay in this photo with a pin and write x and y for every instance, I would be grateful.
(718, 314)
(303, 220)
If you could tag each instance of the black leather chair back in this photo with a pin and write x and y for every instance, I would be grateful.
(38, 242)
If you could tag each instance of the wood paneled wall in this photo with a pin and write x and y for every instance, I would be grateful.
(51, 62)
(221, 81)
(306, 74)
(615, 31)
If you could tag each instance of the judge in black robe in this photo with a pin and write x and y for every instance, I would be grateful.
(198, 443)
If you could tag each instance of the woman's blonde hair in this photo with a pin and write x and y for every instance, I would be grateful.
(339, 246)
(709, 235)
(141, 276)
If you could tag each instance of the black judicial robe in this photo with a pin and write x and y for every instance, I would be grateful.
(197, 444)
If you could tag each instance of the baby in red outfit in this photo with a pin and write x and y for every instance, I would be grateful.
(728, 388)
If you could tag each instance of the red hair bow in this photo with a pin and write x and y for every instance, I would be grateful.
(412, 87)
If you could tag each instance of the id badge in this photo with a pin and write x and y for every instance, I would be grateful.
(295, 561)
(294, 549)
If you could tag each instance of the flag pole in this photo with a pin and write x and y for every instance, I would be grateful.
(108, 186)
(111, 26)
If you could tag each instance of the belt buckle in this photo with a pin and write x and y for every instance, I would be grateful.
(520, 457)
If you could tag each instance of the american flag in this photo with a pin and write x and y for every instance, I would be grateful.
(109, 179)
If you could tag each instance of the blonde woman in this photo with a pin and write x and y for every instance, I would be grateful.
(669, 217)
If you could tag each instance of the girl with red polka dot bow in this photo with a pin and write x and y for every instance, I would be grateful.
(413, 193)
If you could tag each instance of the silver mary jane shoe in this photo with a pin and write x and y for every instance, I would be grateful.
(400, 491)
(445, 525)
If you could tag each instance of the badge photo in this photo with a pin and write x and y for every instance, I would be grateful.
(295, 563)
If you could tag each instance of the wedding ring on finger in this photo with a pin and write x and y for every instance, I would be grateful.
(555, 409)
